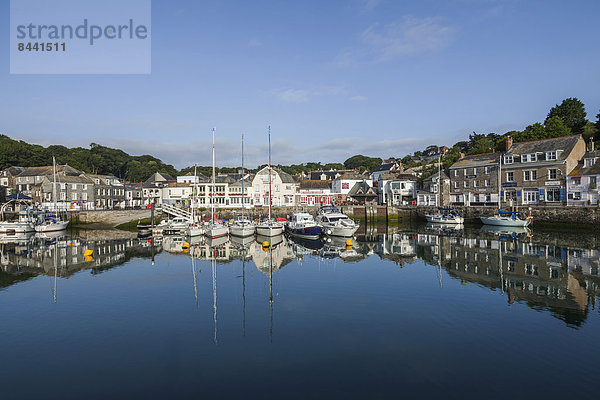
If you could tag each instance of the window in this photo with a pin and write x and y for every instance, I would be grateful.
(74, 196)
(528, 158)
(508, 159)
(474, 171)
(455, 172)
(84, 196)
(487, 182)
(589, 162)
(552, 173)
(510, 176)
(552, 195)
(466, 183)
(592, 182)
(63, 186)
(530, 175)
(487, 170)
(576, 180)
(530, 197)
(475, 183)
(551, 155)
(455, 185)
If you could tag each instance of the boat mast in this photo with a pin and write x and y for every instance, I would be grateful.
(212, 193)
(499, 181)
(269, 172)
(194, 196)
(439, 193)
(54, 183)
(243, 193)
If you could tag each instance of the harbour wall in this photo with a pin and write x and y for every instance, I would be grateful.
(108, 218)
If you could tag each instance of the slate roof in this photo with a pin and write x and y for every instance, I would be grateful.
(160, 177)
(397, 176)
(565, 143)
(361, 187)
(315, 184)
(63, 170)
(14, 171)
(385, 167)
(593, 170)
(477, 160)
(434, 176)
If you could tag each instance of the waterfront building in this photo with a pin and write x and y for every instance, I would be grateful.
(340, 187)
(387, 167)
(109, 192)
(133, 195)
(189, 178)
(284, 188)
(474, 180)
(8, 180)
(535, 172)
(315, 193)
(434, 194)
(28, 182)
(73, 193)
(396, 189)
(582, 183)
(362, 194)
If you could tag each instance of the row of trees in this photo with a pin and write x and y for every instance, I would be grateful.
(96, 160)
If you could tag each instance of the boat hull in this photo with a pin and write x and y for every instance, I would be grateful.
(242, 231)
(269, 231)
(441, 219)
(340, 230)
(53, 227)
(16, 227)
(505, 221)
(213, 232)
(308, 232)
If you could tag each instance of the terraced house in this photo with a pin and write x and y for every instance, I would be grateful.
(535, 172)
(474, 180)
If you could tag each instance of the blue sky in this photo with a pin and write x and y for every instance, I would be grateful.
(332, 78)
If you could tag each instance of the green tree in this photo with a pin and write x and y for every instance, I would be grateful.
(572, 112)
(555, 127)
(362, 163)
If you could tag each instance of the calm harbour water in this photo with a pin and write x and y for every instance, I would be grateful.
(408, 311)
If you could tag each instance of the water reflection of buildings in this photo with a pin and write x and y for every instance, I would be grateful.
(557, 278)
(67, 255)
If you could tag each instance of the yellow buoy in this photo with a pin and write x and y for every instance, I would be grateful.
(185, 245)
(265, 244)
(349, 242)
(88, 253)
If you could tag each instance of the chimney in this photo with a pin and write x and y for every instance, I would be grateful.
(591, 145)
(461, 155)
(509, 142)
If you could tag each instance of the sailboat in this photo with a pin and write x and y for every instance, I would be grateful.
(214, 230)
(443, 215)
(242, 227)
(194, 228)
(47, 221)
(269, 227)
(506, 218)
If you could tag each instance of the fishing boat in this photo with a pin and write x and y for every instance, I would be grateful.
(335, 223)
(214, 229)
(48, 221)
(302, 224)
(508, 218)
(242, 227)
(269, 226)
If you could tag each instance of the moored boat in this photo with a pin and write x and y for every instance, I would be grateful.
(507, 218)
(335, 223)
(445, 216)
(302, 224)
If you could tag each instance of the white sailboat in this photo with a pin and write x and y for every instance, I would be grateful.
(47, 221)
(242, 227)
(194, 228)
(269, 227)
(214, 230)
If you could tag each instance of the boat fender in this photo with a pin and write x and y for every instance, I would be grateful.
(185, 245)
(265, 244)
(349, 243)
(88, 253)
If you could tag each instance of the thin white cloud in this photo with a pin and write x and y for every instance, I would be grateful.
(408, 37)
(292, 95)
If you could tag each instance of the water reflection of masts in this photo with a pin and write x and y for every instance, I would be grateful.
(244, 292)
(440, 257)
(55, 269)
(214, 276)
(194, 275)
(271, 292)
(500, 266)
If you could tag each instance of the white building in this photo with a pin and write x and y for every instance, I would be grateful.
(315, 193)
(341, 186)
(396, 189)
(284, 188)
